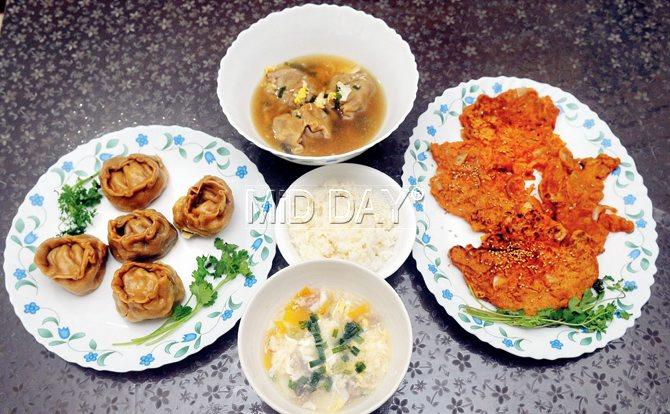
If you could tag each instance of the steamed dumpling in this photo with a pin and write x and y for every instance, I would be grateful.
(77, 263)
(291, 128)
(133, 182)
(142, 235)
(356, 89)
(290, 85)
(206, 209)
(146, 290)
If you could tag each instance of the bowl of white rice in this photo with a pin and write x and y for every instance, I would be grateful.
(348, 212)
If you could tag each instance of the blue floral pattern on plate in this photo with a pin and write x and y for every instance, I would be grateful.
(75, 339)
(585, 134)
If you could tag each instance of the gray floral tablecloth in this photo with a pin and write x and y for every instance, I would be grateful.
(71, 71)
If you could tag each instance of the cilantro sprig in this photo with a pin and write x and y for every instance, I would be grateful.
(231, 263)
(593, 312)
(77, 205)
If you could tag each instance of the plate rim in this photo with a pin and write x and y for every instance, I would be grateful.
(236, 316)
(651, 223)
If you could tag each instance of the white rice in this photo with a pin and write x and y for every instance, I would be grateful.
(367, 239)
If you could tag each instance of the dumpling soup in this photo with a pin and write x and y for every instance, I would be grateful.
(318, 105)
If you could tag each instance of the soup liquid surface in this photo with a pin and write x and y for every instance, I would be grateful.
(348, 134)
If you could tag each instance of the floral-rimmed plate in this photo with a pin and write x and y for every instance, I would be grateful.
(83, 329)
(630, 257)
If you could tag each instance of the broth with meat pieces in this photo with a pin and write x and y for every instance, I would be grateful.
(318, 105)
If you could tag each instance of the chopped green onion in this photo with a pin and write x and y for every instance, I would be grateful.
(312, 325)
(316, 377)
(327, 383)
(339, 348)
(280, 92)
(338, 96)
(351, 329)
(315, 363)
(360, 367)
(334, 334)
(298, 386)
(355, 350)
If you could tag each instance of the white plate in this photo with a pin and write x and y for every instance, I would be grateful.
(83, 329)
(627, 256)
(317, 29)
(332, 274)
(361, 176)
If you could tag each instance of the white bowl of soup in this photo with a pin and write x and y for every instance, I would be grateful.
(325, 336)
(317, 84)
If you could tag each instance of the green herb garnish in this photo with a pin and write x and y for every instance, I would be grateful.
(340, 348)
(593, 312)
(315, 363)
(280, 92)
(312, 325)
(351, 329)
(231, 263)
(360, 366)
(351, 332)
(316, 377)
(77, 205)
(338, 97)
(298, 386)
(310, 384)
(327, 384)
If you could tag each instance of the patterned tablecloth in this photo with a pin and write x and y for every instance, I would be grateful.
(71, 71)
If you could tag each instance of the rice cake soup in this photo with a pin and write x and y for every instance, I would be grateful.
(326, 348)
(318, 105)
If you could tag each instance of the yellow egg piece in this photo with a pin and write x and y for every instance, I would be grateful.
(293, 315)
(325, 307)
(359, 311)
(304, 292)
(301, 96)
(280, 327)
(267, 360)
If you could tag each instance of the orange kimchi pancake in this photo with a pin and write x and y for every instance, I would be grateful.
(539, 248)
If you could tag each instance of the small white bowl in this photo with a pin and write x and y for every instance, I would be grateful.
(317, 29)
(334, 274)
(359, 175)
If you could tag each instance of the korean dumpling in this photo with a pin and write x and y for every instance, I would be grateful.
(356, 90)
(206, 209)
(77, 263)
(146, 290)
(142, 235)
(134, 181)
(309, 121)
(290, 85)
